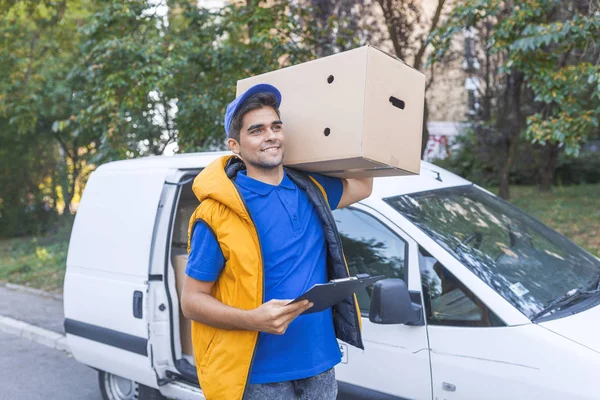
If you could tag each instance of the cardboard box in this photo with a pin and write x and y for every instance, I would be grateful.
(354, 114)
(185, 325)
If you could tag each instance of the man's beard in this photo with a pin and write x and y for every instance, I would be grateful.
(263, 165)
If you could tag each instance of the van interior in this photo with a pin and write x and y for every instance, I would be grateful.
(179, 256)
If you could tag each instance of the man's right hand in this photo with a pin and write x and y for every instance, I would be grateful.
(275, 316)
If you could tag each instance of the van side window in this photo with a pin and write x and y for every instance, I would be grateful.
(370, 248)
(447, 301)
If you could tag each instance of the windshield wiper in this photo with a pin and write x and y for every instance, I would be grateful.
(564, 300)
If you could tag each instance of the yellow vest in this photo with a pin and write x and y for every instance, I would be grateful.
(224, 357)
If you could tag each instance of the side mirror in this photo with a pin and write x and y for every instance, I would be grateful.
(391, 304)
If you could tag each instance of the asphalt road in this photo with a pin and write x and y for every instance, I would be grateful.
(31, 371)
(37, 310)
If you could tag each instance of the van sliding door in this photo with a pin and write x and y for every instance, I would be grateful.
(105, 292)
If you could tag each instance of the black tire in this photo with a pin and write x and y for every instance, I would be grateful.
(148, 393)
(113, 387)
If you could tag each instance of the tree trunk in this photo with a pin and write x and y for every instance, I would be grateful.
(55, 185)
(547, 167)
(69, 192)
(511, 132)
(68, 197)
(393, 25)
(251, 5)
(505, 169)
(486, 113)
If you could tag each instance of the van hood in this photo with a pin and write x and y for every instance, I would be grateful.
(583, 328)
(213, 183)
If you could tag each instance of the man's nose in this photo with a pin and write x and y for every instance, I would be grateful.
(271, 135)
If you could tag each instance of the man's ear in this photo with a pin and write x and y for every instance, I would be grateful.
(234, 146)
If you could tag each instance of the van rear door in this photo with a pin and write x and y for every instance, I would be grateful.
(106, 282)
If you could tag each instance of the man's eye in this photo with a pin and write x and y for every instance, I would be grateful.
(255, 131)
(276, 128)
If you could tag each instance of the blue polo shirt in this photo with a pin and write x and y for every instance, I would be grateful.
(294, 259)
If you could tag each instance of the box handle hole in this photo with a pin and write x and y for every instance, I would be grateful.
(327, 131)
(396, 102)
(330, 79)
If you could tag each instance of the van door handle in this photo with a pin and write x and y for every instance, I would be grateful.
(137, 304)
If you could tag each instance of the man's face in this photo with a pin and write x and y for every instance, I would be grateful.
(262, 139)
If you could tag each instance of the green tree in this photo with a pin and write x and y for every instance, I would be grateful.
(38, 49)
(539, 78)
(122, 73)
(210, 50)
(408, 28)
(82, 79)
(338, 25)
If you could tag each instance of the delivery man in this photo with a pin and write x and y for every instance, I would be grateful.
(261, 236)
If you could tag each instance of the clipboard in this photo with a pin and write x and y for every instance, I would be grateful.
(326, 295)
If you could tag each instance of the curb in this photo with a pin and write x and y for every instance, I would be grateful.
(39, 335)
(26, 289)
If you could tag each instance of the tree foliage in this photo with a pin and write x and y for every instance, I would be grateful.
(540, 71)
(213, 49)
(408, 27)
(84, 82)
(38, 49)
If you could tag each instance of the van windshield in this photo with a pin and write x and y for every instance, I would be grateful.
(526, 262)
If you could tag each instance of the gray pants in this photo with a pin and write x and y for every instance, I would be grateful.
(319, 387)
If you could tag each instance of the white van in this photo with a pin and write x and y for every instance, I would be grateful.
(496, 305)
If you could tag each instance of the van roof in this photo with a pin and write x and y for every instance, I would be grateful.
(177, 161)
(431, 177)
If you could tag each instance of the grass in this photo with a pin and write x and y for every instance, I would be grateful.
(37, 261)
(574, 211)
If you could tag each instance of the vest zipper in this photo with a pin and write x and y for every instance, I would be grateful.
(339, 245)
(263, 280)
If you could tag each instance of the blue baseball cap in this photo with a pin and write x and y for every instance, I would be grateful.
(235, 105)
